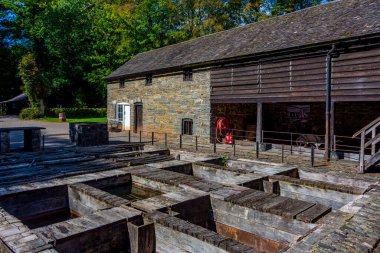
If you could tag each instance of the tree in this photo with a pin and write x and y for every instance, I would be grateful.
(76, 43)
(280, 7)
(9, 82)
(33, 83)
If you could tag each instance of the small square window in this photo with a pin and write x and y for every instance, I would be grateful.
(188, 75)
(121, 83)
(187, 126)
(148, 80)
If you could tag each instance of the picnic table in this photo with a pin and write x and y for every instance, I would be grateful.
(32, 138)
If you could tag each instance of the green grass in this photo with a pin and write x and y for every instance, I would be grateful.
(51, 119)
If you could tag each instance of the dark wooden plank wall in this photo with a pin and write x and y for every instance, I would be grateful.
(355, 77)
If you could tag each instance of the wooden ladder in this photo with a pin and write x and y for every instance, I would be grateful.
(372, 129)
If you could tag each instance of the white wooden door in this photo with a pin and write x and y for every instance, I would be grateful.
(124, 115)
(127, 117)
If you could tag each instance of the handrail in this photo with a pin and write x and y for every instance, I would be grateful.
(373, 141)
(366, 127)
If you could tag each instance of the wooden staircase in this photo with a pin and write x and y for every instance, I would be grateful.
(371, 129)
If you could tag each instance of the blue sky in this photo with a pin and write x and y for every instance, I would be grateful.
(6, 17)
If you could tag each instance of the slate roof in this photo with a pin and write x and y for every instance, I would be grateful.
(20, 97)
(334, 21)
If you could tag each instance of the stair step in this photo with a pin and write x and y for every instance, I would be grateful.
(373, 160)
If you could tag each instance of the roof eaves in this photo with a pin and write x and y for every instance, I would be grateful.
(244, 57)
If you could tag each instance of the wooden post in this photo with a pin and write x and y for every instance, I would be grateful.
(140, 136)
(373, 147)
(196, 143)
(362, 152)
(312, 156)
(214, 145)
(328, 105)
(152, 138)
(180, 141)
(259, 123)
(282, 153)
(233, 136)
(291, 143)
(334, 140)
(234, 147)
(141, 237)
(129, 136)
(257, 150)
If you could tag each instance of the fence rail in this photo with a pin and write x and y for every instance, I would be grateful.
(288, 143)
(284, 143)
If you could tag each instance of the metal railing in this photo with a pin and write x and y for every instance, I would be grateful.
(285, 143)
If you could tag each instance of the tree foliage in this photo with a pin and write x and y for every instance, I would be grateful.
(34, 86)
(76, 43)
(9, 83)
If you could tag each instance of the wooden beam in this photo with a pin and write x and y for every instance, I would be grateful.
(362, 153)
(373, 148)
(375, 139)
(259, 123)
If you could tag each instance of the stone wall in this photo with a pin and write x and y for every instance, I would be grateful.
(4, 142)
(166, 102)
(88, 134)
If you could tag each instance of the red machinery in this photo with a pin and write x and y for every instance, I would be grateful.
(222, 130)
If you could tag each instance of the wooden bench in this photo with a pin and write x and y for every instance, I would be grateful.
(115, 125)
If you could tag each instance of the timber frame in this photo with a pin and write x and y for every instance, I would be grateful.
(285, 59)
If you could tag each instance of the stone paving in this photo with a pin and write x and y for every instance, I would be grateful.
(246, 220)
(260, 219)
(360, 233)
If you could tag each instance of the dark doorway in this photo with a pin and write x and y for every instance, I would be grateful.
(138, 117)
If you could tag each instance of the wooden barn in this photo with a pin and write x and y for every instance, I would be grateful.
(314, 71)
(14, 105)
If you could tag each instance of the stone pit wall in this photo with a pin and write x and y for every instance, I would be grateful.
(166, 102)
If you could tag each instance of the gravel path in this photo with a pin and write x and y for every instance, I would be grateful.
(56, 134)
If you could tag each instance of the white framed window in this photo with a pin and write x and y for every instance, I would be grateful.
(120, 112)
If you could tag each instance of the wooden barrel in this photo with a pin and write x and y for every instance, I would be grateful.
(62, 117)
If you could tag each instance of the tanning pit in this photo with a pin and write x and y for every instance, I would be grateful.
(195, 203)
(38, 208)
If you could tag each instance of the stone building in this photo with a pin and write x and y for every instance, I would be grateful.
(270, 76)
